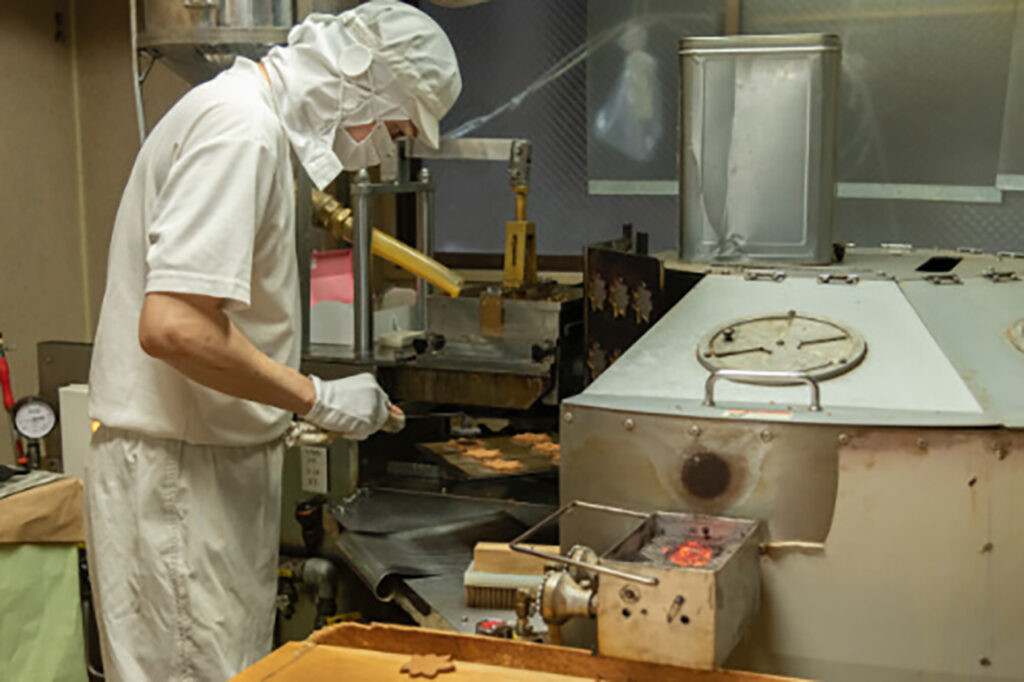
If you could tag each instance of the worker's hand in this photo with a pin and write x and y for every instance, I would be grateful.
(354, 407)
(396, 420)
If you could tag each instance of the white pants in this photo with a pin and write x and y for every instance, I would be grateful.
(182, 543)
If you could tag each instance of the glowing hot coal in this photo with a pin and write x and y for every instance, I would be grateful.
(690, 554)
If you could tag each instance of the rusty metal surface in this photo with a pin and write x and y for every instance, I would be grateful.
(918, 578)
(695, 616)
(500, 390)
(492, 314)
(920, 573)
(783, 474)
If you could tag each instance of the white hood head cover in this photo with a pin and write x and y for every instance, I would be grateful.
(384, 60)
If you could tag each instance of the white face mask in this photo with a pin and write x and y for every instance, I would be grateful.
(374, 148)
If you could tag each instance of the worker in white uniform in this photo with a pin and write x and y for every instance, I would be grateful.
(194, 372)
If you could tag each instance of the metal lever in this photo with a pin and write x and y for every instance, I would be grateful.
(516, 545)
(771, 377)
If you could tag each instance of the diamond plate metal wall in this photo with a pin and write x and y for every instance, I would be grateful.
(922, 101)
(503, 45)
(923, 83)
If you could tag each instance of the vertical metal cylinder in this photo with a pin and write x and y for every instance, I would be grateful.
(304, 248)
(424, 240)
(361, 241)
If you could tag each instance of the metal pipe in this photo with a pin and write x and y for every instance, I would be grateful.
(424, 241)
(304, 249)
(320, 574)
(361, 245)
(331, 215)
(520, 192)
(140, 114)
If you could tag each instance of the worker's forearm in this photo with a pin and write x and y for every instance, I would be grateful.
(229, 363)
(196, 337)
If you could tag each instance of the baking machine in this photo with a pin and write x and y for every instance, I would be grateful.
(507, 345)
(868, 415)
(860, 405)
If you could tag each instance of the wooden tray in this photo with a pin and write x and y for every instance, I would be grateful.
(360, 653)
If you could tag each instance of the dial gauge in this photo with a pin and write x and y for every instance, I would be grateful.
(34, 418)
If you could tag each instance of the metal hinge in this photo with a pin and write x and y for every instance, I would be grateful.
(892, 246)
(969, 249)
(1010, 254)
(1000, 276)
(772, 275)
(836, 277)
(945, 278)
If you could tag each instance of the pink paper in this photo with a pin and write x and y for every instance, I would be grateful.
(331, 276)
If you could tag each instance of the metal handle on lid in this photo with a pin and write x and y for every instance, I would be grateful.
(516, 545)
(770, 377)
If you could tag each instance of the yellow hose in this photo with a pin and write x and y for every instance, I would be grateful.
(338, 219)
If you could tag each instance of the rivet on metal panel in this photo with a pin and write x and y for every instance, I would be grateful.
(49, 359)
(844, 438)
(986, 548)
(766, 436)
(629, 424)
(922, 444)
(694, 430)
(567, 417)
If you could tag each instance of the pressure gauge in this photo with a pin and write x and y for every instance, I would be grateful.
(783, 342)
(34, 418)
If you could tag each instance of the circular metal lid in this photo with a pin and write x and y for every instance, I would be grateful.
(783, 342)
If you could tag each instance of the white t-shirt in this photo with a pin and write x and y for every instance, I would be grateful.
(208, 209)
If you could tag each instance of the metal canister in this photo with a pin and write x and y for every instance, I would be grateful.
(757, 147)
